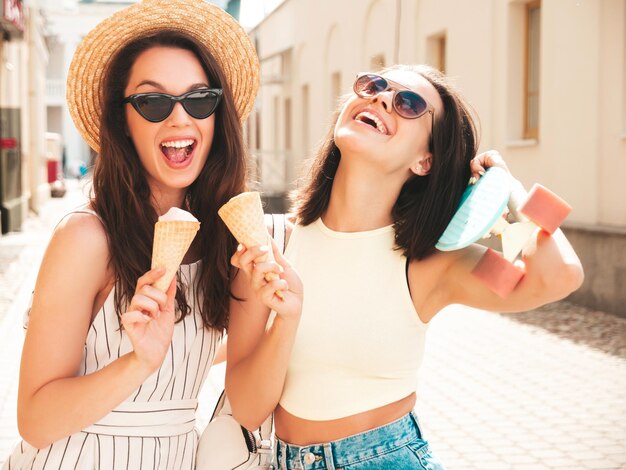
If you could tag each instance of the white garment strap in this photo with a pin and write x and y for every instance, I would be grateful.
(148, 419)
(279, 231)
(84, 209)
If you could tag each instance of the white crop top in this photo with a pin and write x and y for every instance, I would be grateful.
(360, 341)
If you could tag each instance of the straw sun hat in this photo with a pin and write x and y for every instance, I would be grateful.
(217, 30)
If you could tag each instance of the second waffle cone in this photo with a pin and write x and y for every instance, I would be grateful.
(243, 215)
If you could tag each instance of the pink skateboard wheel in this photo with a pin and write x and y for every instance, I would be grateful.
(497, 273)
(545, 208)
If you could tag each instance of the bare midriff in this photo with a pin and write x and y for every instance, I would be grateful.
(302, 432)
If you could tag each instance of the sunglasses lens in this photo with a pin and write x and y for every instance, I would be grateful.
(201, 104)
(154, 108)
(370, 85)
(409, 104)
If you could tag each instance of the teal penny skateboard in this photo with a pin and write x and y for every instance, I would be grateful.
(480, 214)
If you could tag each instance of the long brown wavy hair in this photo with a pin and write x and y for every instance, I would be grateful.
(426, 204)
(121, 195)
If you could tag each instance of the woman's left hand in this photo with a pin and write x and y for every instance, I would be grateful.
(517, 195)
(283, 294)
(482, 161)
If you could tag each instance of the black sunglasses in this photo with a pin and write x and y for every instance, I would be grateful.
(406, 103)
(156, 107)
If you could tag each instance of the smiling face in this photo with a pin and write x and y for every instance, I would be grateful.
(173, 151)
(372, 128)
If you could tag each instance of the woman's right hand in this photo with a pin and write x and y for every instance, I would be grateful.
(283, 295)
(149, 321)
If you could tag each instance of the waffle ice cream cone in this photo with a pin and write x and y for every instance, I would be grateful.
(243, 215)
(173, 234)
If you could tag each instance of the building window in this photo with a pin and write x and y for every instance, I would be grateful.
(436, 51)
(377, 62)
(531, 102)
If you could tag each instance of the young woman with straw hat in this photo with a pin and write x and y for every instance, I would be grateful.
(111, 367)
(381, 191)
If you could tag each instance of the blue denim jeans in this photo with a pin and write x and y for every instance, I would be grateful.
(395, 446)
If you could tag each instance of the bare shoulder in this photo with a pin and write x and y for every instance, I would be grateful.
(79, 247)
(83, 229)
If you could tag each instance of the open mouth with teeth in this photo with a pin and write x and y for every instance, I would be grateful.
(371, 120)
(178, 151)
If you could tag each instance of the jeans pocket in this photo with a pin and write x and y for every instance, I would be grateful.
(421, 450)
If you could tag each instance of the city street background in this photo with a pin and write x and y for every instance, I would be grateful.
(536, 390)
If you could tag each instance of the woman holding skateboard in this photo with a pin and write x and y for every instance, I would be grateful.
(381, 191)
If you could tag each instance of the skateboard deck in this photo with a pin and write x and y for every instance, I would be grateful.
(481, 206)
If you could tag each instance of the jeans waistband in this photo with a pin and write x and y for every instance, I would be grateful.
(349, 450)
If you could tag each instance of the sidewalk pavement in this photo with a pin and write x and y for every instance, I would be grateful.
(544, 389)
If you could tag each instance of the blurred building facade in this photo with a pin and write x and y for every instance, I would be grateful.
(23, 52)
(546, 77)
(68, 22)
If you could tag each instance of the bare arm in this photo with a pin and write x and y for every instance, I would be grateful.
(53, 402)
(258, 358)
(553, 269)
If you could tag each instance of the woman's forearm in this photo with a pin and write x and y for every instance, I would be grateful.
(553, 266)
(65, 406)
(254, 384)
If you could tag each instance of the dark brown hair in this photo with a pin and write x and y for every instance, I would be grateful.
(426, 204)
(121, 195)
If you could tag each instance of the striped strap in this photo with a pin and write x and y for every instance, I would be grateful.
(279, 229)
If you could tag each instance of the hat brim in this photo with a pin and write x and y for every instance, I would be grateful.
(220, 33)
